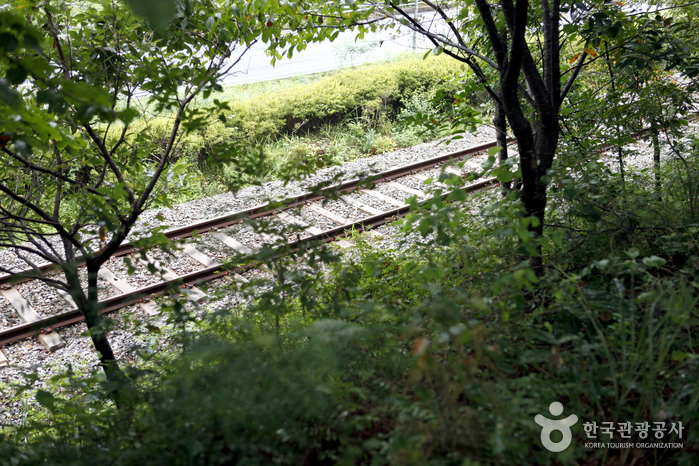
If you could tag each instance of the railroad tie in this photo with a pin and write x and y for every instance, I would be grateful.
(331, 215)
(456, 171)
(231, 243)
(239, 278)
(207, 261)
(472, 166)
(68, 298)
(3, 360)
(343, 243)
(149, 307)
(298, 222)
(424, 178)
(272, 239)
(52, 341)
(407, 189)
(360, 206)
(381, 196)
(193, 294)
(199, 256)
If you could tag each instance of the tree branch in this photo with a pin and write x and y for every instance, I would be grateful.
(573, 76)
(107, 156)
(57, 44)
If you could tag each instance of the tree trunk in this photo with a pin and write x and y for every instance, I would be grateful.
(656, 161)
(536, 152)
(534, 185)
(89, 308)
(500, 123)
(621, 162)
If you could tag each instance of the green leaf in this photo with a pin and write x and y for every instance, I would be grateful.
(488, 163)
(158, 13)
(457, 195)
(558, 239)
(494, 150)
(504, 176)
(654, 261)
(679, 355)
(33, 43)
(601, 264)
(128, 115)
(8, 94)
(8, 42)
(46, 399)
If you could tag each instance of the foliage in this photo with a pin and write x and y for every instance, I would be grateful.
(438, 353)
(440, 345)
(76, 174)
(347, 93)
(347, 122)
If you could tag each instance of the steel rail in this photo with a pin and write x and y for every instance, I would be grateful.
(267, 208)
(210, 273)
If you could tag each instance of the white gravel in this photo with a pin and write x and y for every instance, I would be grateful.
(8, 316)
(43, 298)
(178, 261)
(313, 218)
(396, 194)
(193, 211)
(639, 156)
(140, 277)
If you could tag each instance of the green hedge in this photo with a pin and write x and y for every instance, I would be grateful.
(369, 91)
(346, 93)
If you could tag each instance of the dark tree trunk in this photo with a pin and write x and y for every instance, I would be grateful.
(656, 161)
(621, 162)
(89, 308)
(534, 152)
(500, 123)
(536, 149)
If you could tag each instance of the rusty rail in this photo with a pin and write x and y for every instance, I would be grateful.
(264, 209)
(126, 299)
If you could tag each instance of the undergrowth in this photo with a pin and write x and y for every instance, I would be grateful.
(439, 352)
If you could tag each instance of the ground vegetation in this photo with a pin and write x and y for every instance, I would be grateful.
(441, 343)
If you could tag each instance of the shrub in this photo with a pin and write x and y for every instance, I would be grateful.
(409, 136)
(366, 99)
(335, 98)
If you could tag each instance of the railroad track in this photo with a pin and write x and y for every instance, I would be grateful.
(362, 204)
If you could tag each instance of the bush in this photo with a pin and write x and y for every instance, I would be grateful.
(409, 136)
(362, 100)
(347, 93)
(442, 355)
